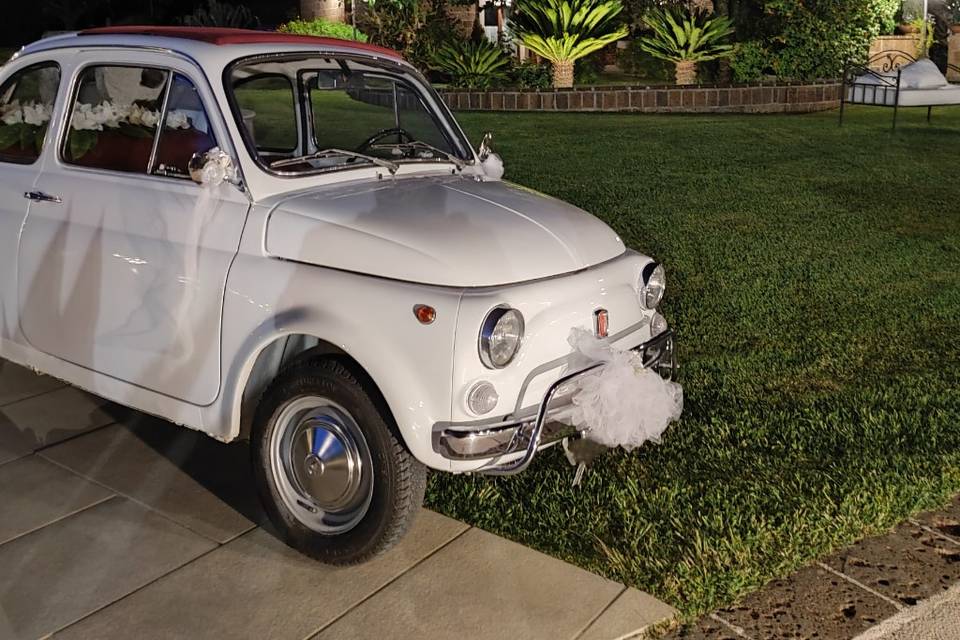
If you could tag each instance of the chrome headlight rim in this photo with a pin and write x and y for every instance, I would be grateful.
(490, 322)
(653, 281)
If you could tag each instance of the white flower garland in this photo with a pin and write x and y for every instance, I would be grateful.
(88, 117)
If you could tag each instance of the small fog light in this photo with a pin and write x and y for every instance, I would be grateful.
(482, 398)
(658, 324)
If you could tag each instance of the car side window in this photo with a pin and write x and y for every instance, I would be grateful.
(113, 121)
(26, 104)
(186, 131)
(269, 109)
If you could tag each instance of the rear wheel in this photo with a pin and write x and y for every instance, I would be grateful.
(334, 476)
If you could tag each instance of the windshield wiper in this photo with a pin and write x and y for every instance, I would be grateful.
(460, 164)
(329, 153)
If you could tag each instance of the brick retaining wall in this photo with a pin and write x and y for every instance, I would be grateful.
(764, 98)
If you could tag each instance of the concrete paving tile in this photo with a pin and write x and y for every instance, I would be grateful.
(704, 629)
(481, 586)
(18, 383)
(13, 442)
(810, 603)
(945, 521)
(256, 587)
(34, 492)
(191, 478)
(53, 417)
(907, 565)
(632, 612)
(62, 572)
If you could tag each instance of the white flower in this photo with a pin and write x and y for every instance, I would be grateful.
(85, 119)
(213, 174)
(178, 120)
(143, 117)
(150, 118)
(11, 113)
(111, 115)
(217, 168)
(36, 114)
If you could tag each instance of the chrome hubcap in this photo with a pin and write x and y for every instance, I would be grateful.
(321, 465)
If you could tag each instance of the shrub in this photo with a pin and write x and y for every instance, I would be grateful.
(816, 40)
(321, 27)
(750, 61)
(587, 70)
(530, 75)
(563, 31)
(220, 14)
(415, 28)
(887, 15)
(634, 61)
(472, 64)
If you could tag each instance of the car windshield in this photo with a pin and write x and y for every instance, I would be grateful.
(315, 114)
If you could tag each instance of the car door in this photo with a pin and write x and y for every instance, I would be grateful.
(27, 98)
(125, 275)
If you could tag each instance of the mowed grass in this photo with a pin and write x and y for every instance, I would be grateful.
(814, 283)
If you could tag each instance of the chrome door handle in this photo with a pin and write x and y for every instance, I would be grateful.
(40, 196)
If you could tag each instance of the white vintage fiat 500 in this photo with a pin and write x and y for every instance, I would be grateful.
(289, 239)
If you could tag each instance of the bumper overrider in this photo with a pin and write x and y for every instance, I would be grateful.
(531, 430)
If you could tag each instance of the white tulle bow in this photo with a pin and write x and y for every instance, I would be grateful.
(622, 403)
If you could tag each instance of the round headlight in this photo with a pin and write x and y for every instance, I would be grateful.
(500, 337)
(653, 282)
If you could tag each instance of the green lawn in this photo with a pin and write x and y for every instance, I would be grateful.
(814, 281)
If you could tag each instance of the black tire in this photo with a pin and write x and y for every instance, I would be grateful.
(398, 479)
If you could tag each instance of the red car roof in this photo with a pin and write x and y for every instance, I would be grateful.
(223, 36)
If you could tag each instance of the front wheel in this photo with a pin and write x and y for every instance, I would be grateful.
(334, 476)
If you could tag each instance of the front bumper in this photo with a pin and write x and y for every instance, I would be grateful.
(540, 426)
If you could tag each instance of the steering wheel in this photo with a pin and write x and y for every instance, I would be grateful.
(400, 132)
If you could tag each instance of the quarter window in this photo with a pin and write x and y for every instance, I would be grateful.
(26, 104)
(114, 118)
(269, 111)
(186, 132)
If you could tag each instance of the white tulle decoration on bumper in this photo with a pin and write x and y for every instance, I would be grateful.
(622, 403)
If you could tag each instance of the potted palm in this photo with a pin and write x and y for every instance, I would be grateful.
(686, 39)
(562, 31)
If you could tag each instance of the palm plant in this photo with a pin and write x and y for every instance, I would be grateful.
(471, 65)
(564, 30)
(686, 39)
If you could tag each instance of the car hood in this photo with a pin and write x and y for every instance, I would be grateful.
(451, 231)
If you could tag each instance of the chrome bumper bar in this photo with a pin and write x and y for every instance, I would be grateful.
(529, 432)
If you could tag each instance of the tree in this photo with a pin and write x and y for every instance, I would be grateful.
(563, 31)
(331, 10)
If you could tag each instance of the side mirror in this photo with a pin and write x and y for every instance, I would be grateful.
(485, 146)
(490, 162)
(213, 167)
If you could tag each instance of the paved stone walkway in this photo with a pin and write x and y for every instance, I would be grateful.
(118, 525)
(899, 586)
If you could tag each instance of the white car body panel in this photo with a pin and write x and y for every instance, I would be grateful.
(168, 299)
(447, 230)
